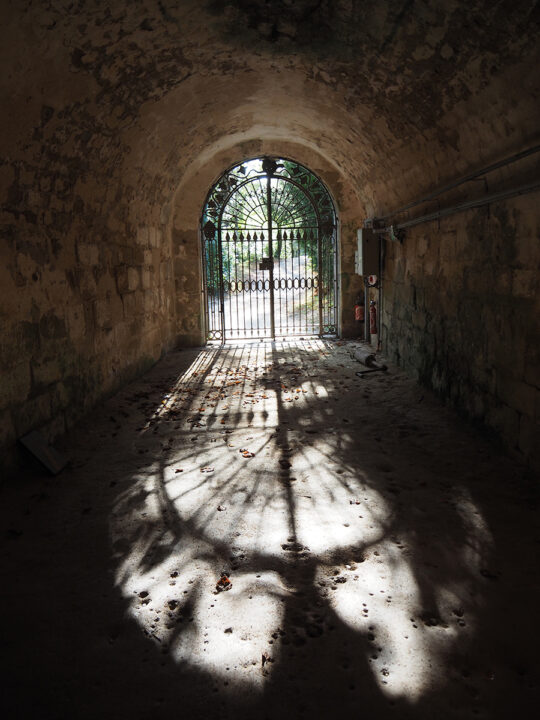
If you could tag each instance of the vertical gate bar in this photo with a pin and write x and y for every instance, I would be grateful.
(335, 266)
(280, 245)
(235, 239)
(291, 236)
(224, 280)
(214, 282)
(223, 259)
(228, 245)
(290, 273)
(305, 282)
(332, 294)
(309, 287)
(330, 281)
(250, 291)
(322, 279)
(334, 276)
(299, 243)
(257, 286)
(240, 297)
(271, 255)
(309, 282)
(277, 319)
(247, 289)
(206, 284)
(209, 286)
(214, 274)
(243, 297)
(232, 269)
(267, 321)
(327, 300)
(290, 308)
(300, 320)
(284, 244)
(327, 284)
(262, 296)
(320, 276)
(313, 296)
(221, 283)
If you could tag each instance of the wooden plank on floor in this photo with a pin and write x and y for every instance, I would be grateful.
(35, 443)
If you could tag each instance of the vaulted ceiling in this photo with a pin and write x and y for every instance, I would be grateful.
(397, 95)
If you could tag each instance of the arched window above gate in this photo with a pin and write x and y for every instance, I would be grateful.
(269, 246)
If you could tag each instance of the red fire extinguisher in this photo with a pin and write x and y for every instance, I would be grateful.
(373, 317)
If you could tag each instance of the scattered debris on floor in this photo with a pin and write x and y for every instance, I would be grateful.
(223, 583)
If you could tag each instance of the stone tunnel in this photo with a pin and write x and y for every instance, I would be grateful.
(420, 117)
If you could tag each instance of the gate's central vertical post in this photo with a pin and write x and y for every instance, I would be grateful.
(270, 253)
(320, 277)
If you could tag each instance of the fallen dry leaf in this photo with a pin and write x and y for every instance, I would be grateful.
(223, 583)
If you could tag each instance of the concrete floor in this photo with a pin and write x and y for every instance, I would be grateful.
(383, 555)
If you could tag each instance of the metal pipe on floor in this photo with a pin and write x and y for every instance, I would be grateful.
(366, 356)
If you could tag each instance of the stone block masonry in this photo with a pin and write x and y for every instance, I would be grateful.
(461, 312)
(79, 318)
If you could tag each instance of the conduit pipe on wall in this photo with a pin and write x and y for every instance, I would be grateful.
(486, 200)
(466, 178)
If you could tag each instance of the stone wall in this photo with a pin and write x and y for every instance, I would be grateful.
(462, 312)
(86, 299)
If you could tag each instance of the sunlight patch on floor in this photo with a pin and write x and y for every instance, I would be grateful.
(300, 514)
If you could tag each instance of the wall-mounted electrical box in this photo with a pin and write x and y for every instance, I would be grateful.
(366, 257)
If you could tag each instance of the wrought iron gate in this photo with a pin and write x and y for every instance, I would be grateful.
(269, 232)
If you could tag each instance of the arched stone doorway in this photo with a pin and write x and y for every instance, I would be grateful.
(269, 230)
